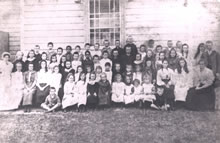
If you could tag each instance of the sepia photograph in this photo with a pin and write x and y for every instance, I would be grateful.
(110, 71)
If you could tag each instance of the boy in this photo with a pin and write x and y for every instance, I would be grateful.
(160, 102)
(52, 101)
(87, 46)
(96, 50)
(50, 50)
(69, 55)
(59, 54)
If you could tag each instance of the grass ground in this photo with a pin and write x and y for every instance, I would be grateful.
(111, 126)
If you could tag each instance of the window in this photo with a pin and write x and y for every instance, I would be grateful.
(104, 21)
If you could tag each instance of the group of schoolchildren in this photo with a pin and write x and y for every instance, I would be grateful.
(99, 78)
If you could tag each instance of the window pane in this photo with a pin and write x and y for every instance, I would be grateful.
(104, 21)
(96, 6)
(91, 6)
(104, 6)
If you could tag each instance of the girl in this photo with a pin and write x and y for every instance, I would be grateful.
(78, 72)
(200, 54)
(104, 91)
(129, 93)
(42, 84)
(142, 51)
(30, 79)
(138, 59)
(148, 91)
(62, 64)
(68, 69)
(19, 58)
(96, 61)
(98, 72)
(31, 58)
(150, 56)
(173, 59)
(150, 71)
(88, 72)
(80, 92)
(17, 87)
(69, 98)
(92, 91)
(44, 57)
(5, 75)
(76, 61)
(165, 78)
(108, 72)
(138, 73)
(55, 79)
(159, 62)
(53, 63)
(105, 59)
(181, 82)
(118, 88)
(138, 92)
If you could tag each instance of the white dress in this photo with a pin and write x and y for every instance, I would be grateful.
(81, 92)
(118, 90)
(69, 98)
(5, 78)
(129, 96)
(138, 93)
(148, 96)
(55, 81)
(181, 85)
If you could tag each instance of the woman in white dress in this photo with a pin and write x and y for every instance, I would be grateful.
(5, 77)
(182, 83)
(69, 98)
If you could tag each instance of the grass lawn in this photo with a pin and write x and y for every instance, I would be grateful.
(111, 126)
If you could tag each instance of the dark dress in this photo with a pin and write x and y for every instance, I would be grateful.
(202, 99)
(92, 92)
(104, 93)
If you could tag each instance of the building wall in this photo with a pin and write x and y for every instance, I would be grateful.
(31, 22)
(164, 20)
(10, 22)
(58, 21)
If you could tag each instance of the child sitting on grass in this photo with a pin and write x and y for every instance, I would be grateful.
(160, 102)
(52, 101)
